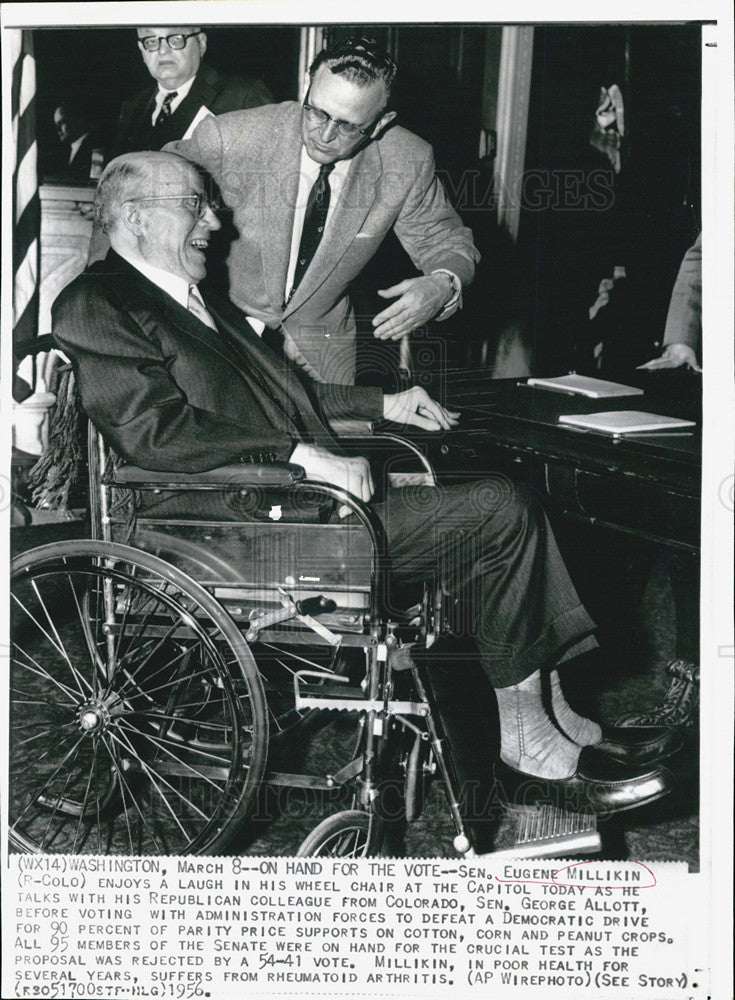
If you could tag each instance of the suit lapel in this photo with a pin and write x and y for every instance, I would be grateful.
(281, 381)
(355, 201)
(278, 388)
(284, 402)
(138, 288)
(201, 93)
(277, 208)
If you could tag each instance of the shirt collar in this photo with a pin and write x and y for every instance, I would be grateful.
(74, 149)
(310, 167)
(181, 91)
(172, 284)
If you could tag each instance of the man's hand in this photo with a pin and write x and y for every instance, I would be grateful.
(350, 474)
(419, 299)
(674, 356)
(415, 406)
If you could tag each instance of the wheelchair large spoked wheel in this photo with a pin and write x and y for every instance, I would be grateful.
(352, 833)
(137, 715)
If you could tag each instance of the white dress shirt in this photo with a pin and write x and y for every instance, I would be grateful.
(175, 286)
(74, 148)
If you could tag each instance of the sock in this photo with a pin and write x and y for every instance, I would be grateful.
(584, 732)
(529, 740)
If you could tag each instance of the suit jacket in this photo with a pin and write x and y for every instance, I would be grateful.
(684, 319)
(170, 394)
(210, 89)
(255, 158)
(80, 167)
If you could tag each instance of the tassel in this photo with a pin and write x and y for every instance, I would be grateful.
(56, 471)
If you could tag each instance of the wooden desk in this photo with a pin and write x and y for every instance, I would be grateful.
(645, 486)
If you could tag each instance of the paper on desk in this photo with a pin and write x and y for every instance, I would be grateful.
(582, 385)
(624, 422)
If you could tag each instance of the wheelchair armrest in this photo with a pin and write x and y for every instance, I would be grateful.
(381, 445)
(242, 474)
(352, 428)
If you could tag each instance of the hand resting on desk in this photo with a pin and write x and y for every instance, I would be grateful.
(674, 356)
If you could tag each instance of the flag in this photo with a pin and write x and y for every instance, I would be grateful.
(26, 204)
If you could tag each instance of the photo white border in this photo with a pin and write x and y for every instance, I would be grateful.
(719, 409)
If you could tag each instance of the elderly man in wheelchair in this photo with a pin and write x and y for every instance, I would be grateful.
(280, 554)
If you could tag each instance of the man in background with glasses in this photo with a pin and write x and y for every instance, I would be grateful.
(187, 90)
(315, 188)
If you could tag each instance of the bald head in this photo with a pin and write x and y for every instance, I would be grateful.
(154, 208)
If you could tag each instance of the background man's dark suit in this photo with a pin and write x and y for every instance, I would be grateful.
(210, 89)
(169, 393)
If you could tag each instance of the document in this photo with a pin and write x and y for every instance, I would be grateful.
(581, 385)
(624, 422)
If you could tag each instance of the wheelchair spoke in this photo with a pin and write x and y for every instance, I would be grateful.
(158, 646)
(162, 744)
(44, 735)
(130, 684)
(127, 732)
(85, 798)
(58, 644)
(34, 667)
(54, 774)
(125, 788)
(28, 698)
(150, 775)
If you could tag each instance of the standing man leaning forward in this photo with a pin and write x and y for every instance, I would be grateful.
(186, 91)
(272, 163)
(177, 382)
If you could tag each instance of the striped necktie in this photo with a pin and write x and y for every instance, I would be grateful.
(197, 308)
(315, 219)
(165, 113)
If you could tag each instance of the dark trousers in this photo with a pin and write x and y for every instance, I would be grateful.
(488, 543)
(491, 547)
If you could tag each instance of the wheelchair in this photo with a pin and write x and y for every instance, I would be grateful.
(209, 618)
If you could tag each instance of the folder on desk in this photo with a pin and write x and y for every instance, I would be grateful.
(619, 422)
(582, 385)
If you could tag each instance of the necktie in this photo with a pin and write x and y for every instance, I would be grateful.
(165, 113)
(197, 308)
(315, 218)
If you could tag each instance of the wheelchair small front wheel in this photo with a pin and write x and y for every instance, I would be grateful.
(352, 833)
(137, 715)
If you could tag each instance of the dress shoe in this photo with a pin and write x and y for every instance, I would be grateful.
(600, 785)
(638, 745)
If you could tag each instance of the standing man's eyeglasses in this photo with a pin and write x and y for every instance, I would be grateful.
(152, 43)
(345, 129)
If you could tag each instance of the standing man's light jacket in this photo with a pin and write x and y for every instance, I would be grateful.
(254, 156)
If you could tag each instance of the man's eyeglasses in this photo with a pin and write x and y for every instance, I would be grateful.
(346, 129)
(197, 204)
(152, 43)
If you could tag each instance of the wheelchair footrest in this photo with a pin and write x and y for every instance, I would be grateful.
(548, 832)
(334, 694)
(353, 700)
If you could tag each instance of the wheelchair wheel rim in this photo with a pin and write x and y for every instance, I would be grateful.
(127, 736)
